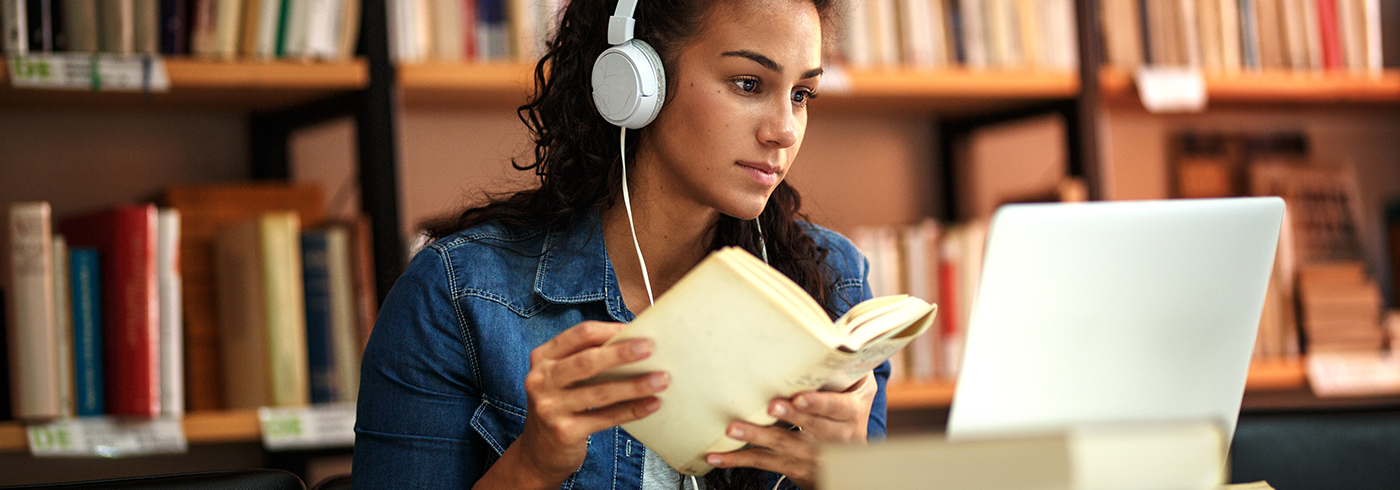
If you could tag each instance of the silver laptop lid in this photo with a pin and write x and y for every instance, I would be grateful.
(1115, 312)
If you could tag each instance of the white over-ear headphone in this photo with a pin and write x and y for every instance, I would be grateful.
(629, 83)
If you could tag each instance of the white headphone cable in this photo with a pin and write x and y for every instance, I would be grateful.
(627, 201)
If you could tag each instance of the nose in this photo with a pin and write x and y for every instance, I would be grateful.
(779, 126)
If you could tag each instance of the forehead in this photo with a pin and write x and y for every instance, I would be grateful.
(788, 31)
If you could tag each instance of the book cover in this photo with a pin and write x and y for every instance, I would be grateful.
(1231, 53)
(87, 331)
(1271, 43)
(172, 319)
(80, 21)
(63, 327)
(174, 20)
(204, 209)
(32, 337)
(262, 319)
(125, 238)
(345, 335)
(776, 341)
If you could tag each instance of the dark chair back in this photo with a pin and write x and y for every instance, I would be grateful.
(259, 479)
(1305, 451)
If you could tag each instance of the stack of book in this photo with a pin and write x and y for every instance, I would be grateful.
(938, 264)
(457, 31)
(975, 34)
(1230, 36)
(219, 29)
(1341, 308)
(220, 299)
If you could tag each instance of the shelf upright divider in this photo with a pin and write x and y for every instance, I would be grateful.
(377, 119)
(1083, 127)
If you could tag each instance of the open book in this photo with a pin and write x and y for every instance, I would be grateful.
(734, 334)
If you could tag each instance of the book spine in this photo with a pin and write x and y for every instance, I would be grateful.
(1327, 32)
(117, 30)
(63, 327)
(320, 349)
(349, 29)
(16, 20)
(133, 386)
(146, 27)
(284, 298)
(366, 295)
(170, 284)
(80, 21)
(1249, 34)
(173, 24)
(33, 340)
(284, 26)
(227, 22)
(40, 25)
(345, 337)
(87, 331)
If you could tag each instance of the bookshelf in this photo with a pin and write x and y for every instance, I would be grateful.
(497, 86)
(1271, 88)
(196, 84)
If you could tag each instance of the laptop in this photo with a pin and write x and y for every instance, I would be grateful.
(1115, 312)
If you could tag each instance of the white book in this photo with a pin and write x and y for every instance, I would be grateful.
(1374, 62)
(1190, 33)
(920, 245)
(16, 27)
(63, 328)
(916, 25)
(268, 18)
(1062, 36)
(450, 39)
(885, 26)
(172, 317)
(974, 31)
(526, 40)
(33, 339)
(297, 29)
(1004, 34)
(117, 26)
(734, 334)
(1231, 55)
(857, 43)
(322, 21)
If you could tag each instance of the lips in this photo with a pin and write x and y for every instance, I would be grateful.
(761, 172)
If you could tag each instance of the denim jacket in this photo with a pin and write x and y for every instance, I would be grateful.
(442, 391)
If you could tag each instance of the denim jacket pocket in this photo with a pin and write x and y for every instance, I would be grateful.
(498, 423)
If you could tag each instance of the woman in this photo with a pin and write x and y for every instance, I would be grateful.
(472, 376)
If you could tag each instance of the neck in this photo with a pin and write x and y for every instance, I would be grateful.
(673, 236)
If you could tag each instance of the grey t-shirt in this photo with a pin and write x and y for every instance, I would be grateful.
(657, 475)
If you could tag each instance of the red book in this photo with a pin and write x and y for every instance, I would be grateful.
(1329, 34)
(125, 239)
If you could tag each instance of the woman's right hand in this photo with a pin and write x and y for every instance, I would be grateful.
(563, 412)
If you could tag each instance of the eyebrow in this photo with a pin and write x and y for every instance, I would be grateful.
(768, 63)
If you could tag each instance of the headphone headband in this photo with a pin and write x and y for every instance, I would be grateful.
(620, 25)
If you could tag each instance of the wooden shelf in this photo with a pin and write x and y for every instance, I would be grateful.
(457, 86)
(200, 428)
(1277, 87)
(243, 86)
(1264, 376)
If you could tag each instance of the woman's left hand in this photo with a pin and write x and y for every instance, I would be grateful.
(823, 417)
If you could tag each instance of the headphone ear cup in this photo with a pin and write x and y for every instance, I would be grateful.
(629, 84)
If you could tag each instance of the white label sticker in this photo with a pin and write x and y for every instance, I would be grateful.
(317, 426)
(1171, 89)
(76, 71)
(1354, 374)
(107, 437)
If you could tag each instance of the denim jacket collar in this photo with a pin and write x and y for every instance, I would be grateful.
(574, 268)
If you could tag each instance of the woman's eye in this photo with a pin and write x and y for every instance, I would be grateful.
(801, 97)
(746, 84)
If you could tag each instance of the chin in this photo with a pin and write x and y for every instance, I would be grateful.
(747, 208)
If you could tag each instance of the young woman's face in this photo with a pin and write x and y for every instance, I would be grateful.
(736, 109)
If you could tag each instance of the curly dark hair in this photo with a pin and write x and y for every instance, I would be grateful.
(577, 160)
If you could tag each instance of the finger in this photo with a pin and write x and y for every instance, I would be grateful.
(834, 406)
(589, 362)
(618, 414)
(577, 338)
(763, 459)
(604, 394)
(814, 424)
(791, 444)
